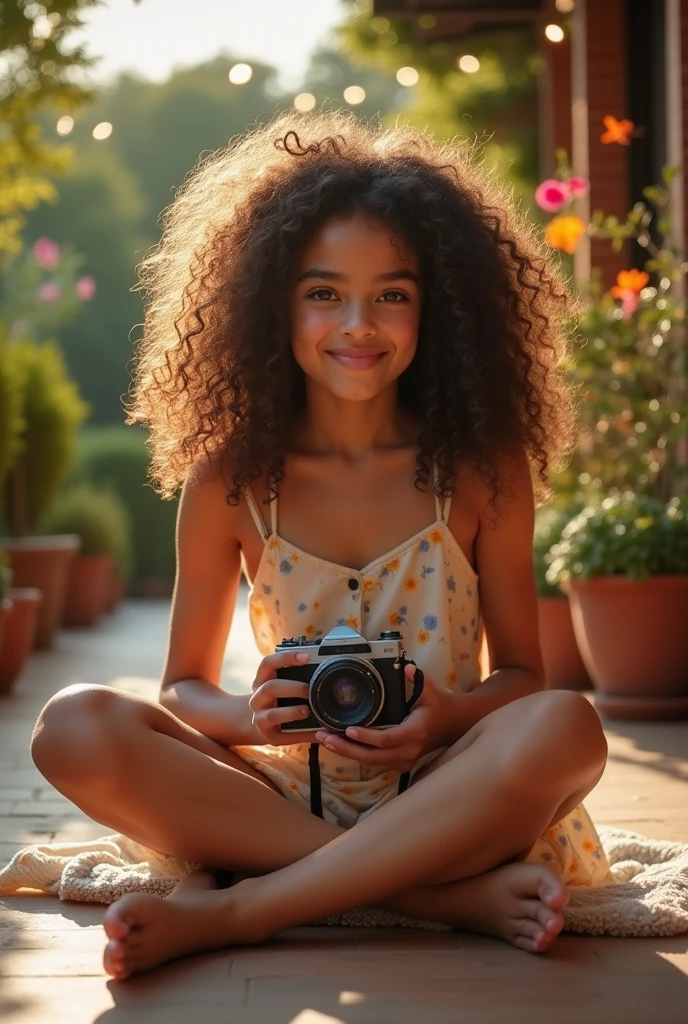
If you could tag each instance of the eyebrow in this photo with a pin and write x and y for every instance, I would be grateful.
(331, 275)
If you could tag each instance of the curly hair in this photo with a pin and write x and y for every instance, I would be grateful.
(216, 378)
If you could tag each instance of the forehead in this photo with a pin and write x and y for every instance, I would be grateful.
(356, 241)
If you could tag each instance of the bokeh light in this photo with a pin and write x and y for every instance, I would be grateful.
(469, 64)
(427, 21)
(304, 101)
(102, 130)
(564, 6)
(354, 94)
(407, 76)
(554, 33)
(64, 125)
(240, 74)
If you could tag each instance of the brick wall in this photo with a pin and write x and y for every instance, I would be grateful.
(609, 190)
(684, 87)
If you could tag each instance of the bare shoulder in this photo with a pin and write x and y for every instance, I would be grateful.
(514, 500)
(204, 499)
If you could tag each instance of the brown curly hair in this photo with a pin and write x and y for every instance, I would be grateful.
(216, 378)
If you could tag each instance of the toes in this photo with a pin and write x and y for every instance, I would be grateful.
(553, 894)
(113, 959)
(551, 920)
(530, 945)
(116, 923)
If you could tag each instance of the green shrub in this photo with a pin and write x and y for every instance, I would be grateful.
(99, 518)
(549, 523)
(52, 411)
(117, 458)
(627, 534)
(11, 424)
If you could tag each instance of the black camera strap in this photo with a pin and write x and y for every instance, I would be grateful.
(313, 752)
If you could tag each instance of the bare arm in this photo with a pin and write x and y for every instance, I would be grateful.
(508, 601)
(208, 575)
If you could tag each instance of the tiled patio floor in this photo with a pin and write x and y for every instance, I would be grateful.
(50, 964)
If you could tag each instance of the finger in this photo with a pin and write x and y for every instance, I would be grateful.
(280, 659)
(362, 754)
(405, 734)
(266, 695)
(274, 717)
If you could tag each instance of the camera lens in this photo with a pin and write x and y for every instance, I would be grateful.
(346, 691)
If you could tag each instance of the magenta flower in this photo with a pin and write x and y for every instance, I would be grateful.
(550, 195)
(85, 288)
(629, 303)
(577, 187)
(49, 292)
(46, 253)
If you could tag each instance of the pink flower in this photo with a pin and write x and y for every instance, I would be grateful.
(49, 292)
(85, 288)
(46, 253)
(550, 195)
(577, 187)
(629, 303)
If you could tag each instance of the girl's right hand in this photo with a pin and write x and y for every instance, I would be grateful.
(267, 716)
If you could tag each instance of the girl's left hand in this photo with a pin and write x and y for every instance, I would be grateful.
(399, 746)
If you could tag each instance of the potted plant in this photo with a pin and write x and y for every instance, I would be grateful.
(564, 667)
(624, 563)
(100, 520)
(5, 602)
(52, 411)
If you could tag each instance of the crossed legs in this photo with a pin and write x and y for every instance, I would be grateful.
(134, 767)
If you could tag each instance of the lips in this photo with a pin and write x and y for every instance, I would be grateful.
(357, 358)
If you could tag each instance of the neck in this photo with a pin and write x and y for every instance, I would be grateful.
(352, 430)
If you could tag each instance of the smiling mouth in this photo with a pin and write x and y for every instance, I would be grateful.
(357, 359)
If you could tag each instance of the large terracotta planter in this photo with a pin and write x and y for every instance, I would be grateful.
(5, 611)
(88, 587)
(564, 667)
(20, 630)
(43, 562)
(633, 638)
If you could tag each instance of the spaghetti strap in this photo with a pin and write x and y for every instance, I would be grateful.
(273, 515)
(257, 518)
(442, 505)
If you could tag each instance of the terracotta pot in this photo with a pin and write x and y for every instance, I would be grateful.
(564, 668)
(88, 587)
(633, 638)
(5, 612)
(43, 562)
(19, 635)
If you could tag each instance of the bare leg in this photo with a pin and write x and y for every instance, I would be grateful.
(509, 795)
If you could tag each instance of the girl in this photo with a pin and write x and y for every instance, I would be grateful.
(350, 360)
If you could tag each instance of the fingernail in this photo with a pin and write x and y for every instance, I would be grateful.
(353, 733)
(321, 736)
(302, 656)
(305, 712)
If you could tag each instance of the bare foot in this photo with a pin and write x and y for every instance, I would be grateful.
(520, 903)
(146, 931)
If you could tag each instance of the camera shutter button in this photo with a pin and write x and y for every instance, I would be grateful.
(353, 583)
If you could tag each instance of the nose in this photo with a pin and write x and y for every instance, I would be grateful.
(358, 322)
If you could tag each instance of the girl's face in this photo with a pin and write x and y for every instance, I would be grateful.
(355, 308)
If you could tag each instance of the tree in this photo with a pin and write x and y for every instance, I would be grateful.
(37, 73)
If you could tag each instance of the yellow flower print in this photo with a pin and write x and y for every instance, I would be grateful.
(464, 656)
(352, 621)
(346, 789)
(410, 583)
(293, 558)
(423, 636)
(435, 537)
(393, 565)
(259, 609)
(316, 604)
(309, 630)
(368, 585)
(274, 543)
(394, 619)
(588, 845)
(551, 833)
(451, 676)
(293, 787)
(573, 867)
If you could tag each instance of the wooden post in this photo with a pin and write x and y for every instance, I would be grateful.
(579, 129)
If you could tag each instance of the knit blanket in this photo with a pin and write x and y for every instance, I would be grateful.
(649, 894)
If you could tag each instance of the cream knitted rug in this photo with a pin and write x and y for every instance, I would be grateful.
(649, 895)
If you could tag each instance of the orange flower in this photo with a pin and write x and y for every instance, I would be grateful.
(551, 833)
(316, 604)
(293, 558)
(423, 636)
(573, 866)
(273, 544)
(352, 621)
(394, 619)
(629, 281)
(393, 565)
(436, 537)
(565, 233)
(451, 676)
(617, 131)
(309, 630)
(368, 584)
(410, 583)
(588, 845)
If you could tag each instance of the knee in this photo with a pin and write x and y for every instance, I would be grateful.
(565, 729)
(75, 730)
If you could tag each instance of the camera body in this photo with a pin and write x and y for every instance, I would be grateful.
(353, 681)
